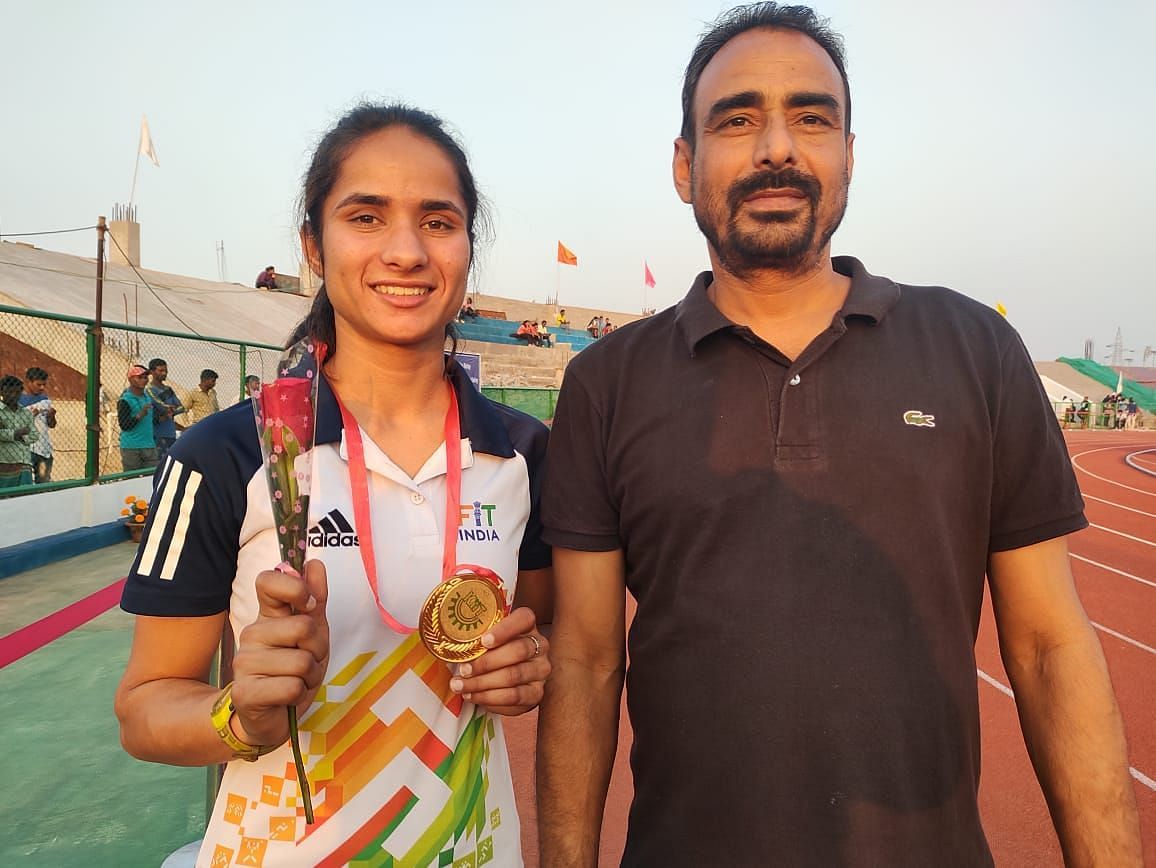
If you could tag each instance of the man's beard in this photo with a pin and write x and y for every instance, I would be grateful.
(745, 252)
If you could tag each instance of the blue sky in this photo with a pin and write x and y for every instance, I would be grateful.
(1003, 149)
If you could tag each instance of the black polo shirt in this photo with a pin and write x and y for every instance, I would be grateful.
(807, 542)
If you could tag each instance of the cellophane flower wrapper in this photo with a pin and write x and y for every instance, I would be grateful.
(286, 414)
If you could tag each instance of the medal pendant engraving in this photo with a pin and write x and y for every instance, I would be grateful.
(458, 613)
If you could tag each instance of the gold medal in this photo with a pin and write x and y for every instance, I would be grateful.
(458, 613)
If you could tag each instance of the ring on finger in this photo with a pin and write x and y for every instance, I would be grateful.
(537, 645)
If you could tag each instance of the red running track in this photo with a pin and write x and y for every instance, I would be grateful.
(1015, 815)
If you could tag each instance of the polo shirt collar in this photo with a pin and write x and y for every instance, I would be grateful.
(480, 422)
(870, 298)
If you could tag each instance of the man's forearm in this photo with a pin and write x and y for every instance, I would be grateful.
(577, 740)
(1075, 737)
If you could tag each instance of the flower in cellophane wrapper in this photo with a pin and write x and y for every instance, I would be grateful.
(286, 413)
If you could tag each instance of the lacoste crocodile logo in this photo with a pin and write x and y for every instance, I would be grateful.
(919, 419)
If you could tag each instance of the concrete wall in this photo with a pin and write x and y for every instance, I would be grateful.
(34, 516)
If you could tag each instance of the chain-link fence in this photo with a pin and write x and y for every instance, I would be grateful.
(86, 437)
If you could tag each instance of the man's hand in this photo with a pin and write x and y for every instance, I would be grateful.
(509, 678)
(282, 656)
(21, 432)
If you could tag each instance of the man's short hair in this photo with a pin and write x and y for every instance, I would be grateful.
(760, 16)
(157, 363)
(209, 374)
(251, 378)
(36, 374)
(10, 381)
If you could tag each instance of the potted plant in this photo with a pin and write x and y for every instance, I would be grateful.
(135, 514)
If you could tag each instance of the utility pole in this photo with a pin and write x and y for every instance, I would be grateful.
(95, 340)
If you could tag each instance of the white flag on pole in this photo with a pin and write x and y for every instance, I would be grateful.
(1120, 384)
(146, 142)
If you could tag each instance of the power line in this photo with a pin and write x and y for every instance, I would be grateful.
(148, 286)
(46, 232)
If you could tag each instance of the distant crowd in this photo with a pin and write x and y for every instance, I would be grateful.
(149, 414)
(1113, 411)
(539, 335)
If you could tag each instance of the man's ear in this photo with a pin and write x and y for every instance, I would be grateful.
(682, 168)
(312, 254)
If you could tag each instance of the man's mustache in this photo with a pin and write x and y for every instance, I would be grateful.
(770, 179)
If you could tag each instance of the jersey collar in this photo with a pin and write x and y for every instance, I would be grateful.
(480, 421)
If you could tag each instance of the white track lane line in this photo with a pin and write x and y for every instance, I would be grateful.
(1112, 570)
(1128, 459)
(1076, 464)
(1119, 505)
(1146, 542)
(1007, 691)
(1123, 638)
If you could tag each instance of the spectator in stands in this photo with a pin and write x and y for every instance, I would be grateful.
(526, 333)
(252, 385)
(267, 279)
(167, 406)
(468, 311)
(202, 401)
(560, 319)
(544, 335)
(1085, 412)
(35, 399)
(607, 328)
(594, 327)
(134, 410)
(17, 434)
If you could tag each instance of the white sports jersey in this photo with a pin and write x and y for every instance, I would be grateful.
(403, 771)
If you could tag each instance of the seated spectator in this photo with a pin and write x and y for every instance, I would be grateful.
(544, 335)
(560, 319)
(202, 401)
(468, 311)
(267, 279)
(594, 327)
(608, 328)
(525, 333)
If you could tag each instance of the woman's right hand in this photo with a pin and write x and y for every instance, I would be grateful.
(282, 656)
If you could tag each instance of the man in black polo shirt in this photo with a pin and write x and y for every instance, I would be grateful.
(802, 472)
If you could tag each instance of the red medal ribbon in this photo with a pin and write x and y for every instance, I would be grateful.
(359, 487)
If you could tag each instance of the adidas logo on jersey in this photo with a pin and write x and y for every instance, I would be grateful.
(332, 530)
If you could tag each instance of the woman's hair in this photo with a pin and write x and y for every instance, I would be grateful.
(364, 120)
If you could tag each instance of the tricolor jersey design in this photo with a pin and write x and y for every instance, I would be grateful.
(404, 772)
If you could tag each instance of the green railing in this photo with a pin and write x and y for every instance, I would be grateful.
(85, 439)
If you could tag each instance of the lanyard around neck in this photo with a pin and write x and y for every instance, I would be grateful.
(359, 487)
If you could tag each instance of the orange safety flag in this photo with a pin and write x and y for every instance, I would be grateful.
(565, 256)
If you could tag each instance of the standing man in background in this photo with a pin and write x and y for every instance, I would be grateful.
(37, 402)
(853, 456)
(17, 434)
(134, 410)
(202, 401)
(166, 407)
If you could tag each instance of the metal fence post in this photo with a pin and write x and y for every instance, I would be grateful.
(243, 354)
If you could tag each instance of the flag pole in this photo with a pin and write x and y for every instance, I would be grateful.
(135, 170)
(557, 280)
